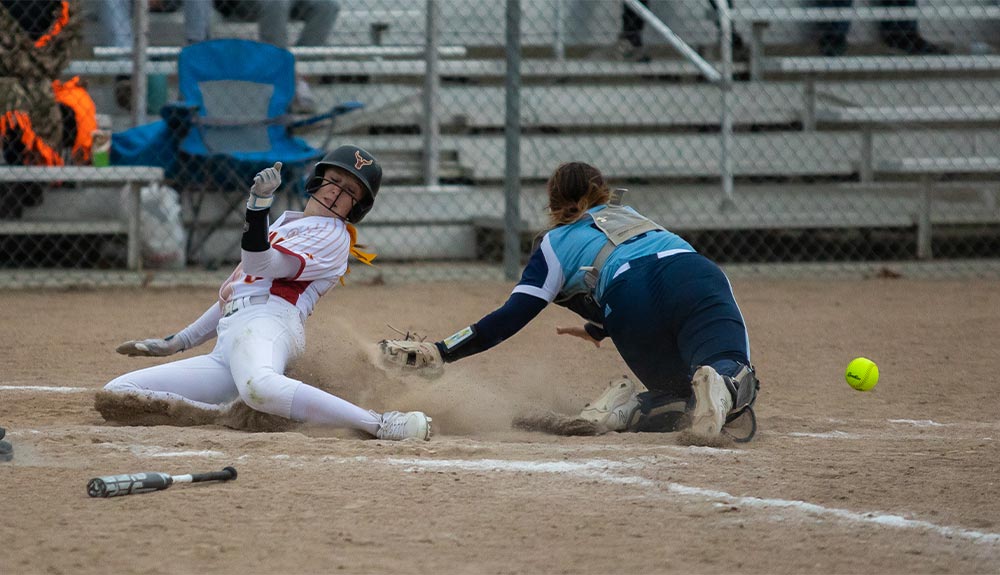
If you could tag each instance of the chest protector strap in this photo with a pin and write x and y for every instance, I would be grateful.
(619, 225)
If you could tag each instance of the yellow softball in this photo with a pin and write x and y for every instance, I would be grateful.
(861, 374)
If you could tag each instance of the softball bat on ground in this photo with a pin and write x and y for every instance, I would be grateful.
(115, 485)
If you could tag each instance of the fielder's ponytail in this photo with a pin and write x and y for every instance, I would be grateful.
(574, 188)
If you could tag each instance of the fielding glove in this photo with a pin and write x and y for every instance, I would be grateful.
(410, 356)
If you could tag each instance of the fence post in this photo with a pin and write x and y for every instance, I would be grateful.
(512, 144)
(924, 234)
(726, 88)
(432, 82)
(134, 253)
(140, 41)
(559, 42)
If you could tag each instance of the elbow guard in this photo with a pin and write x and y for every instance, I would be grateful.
(255, 231)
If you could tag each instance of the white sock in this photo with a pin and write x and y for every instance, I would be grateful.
(313, 405)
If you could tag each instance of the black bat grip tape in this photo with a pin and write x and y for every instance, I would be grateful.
(227, 474)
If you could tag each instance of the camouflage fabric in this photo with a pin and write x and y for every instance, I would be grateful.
(37, 100)
(21, 58)
(27, 70)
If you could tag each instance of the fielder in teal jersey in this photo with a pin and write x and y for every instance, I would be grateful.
(669, 310)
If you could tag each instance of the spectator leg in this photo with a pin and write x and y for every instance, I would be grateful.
(116, 23)
(740, 50)
(632, 25)
(272, 20)
(833, 35)
(197, 20)
(898, 33)
(904, 34)
(319, 17)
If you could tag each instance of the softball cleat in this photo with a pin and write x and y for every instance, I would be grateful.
(712, 402)
(396, 426)
(615, 408)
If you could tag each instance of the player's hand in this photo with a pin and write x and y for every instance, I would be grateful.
(408, 356)
(153, 347)
(267, 181)
(579, 332)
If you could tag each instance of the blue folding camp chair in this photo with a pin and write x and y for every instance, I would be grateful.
(234, 121)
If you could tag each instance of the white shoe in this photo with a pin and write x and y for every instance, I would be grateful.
(396, 426)
(615, 408)
(712, 402)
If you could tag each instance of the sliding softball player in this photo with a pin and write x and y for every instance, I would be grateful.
(284, 269)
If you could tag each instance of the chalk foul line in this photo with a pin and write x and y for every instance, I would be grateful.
(602, 470)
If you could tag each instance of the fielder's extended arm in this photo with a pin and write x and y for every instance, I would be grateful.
(421, 356)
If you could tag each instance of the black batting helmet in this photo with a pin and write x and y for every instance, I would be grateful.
(361, 165)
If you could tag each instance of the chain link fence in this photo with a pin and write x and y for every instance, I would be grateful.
(851, 134)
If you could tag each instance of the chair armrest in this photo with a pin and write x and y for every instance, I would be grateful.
(337, 110)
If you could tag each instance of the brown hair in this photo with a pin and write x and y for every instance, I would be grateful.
(574, 188)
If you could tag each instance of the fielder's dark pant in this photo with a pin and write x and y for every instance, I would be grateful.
(669, 316)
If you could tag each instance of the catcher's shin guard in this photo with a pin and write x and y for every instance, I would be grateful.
(660, 412)
(741, 423)
(6, 449)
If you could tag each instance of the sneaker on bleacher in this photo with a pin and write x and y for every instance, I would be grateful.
(915, 45)
(304, 101)
(629, 52)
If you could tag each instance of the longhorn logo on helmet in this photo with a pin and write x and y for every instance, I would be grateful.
(360, 162)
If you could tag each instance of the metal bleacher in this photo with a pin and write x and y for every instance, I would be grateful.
(817, 140)
(911, 126)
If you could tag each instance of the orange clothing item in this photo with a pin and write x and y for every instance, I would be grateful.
(56, 27)
(39, 152)
(72, 94)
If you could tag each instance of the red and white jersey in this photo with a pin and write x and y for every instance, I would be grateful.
(321, 245)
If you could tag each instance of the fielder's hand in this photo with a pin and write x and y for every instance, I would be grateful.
(153, 347)
(579, 332)
(264, 184)
(410, 356)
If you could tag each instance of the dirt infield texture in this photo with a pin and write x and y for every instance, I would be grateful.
(902, 479)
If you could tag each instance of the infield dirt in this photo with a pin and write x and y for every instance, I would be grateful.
(902, 479)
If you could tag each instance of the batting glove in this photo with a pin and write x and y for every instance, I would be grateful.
(264, 184)
(153, 347)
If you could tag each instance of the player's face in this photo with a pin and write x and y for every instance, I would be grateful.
(338, 194)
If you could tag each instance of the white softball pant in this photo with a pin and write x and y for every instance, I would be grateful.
(253, 348)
